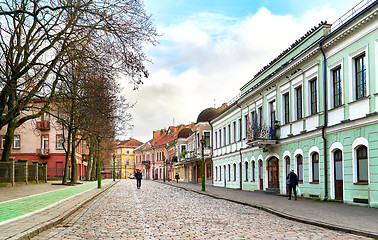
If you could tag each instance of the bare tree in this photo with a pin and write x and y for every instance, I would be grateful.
(37, 37)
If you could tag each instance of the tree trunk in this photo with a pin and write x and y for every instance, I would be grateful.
(9, 136)
(88, 173)
(66, 166)
(94, 169)
(73, 158)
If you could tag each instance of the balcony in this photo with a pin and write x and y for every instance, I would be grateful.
(43, 125)
(147, 163)
(261, 135)
(43, 152)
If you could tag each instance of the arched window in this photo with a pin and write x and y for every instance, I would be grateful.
(287, 162)
(216, 173)
(362, 164)
(253, 177)
(246, 170)
(300, 168)
(234, 170)
(315, 167)
(229, 172)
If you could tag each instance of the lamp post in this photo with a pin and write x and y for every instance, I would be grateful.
(98, 164)
(203, 142)
(114, 167)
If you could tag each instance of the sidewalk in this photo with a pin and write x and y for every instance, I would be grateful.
(26, 210)
(332, 215)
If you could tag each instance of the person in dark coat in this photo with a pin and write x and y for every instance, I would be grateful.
(292, 181)
(138, 177)
(177, 176)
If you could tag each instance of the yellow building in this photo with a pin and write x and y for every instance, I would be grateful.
(124, 157)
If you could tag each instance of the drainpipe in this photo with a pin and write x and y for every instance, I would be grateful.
(212, 152)
(241, 156)
(325, 121)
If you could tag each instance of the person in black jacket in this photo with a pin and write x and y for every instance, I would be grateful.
(138, 177)
(292, 181)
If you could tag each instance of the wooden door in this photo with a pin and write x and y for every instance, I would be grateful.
(261, 174)
(273, 171)
(338, 175)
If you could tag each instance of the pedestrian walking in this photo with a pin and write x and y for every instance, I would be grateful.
(138, 177)
(177, 176)
(292, 181)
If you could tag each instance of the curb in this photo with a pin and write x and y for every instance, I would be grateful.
(287, 216)
(28, 234)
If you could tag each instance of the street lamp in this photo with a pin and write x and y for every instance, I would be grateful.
(114, 167)
(98, 164)
(203, 142)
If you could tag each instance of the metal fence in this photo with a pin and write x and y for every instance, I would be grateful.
(12, 172)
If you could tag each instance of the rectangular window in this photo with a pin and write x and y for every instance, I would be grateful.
(45, 117)
(224, 136)
(286, 108)
(229, 133)
(2, 142)
(253, 118)
(59, 141)
(360, 70)
(253, 171)
(245, 125)
(298, 93)
(260, 116)
(16, 141)
(127, 162)
(207, 139)
(216, 140)
(300, 168)
(313, 97)
(183, 148)
(336, 84)
(234, 131)
(45, 141)
(272, 106)
(246, 170)
(220, 137)
(240, 129)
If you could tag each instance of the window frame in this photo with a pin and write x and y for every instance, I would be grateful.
(286, 107)
(363, 75)
(253, 169)
(57, 141)
(299, 173)
(313, 96)
(358, 158)
(246, 171)
(299, 102)
(14, 142)
(315, 158)
(337, 81)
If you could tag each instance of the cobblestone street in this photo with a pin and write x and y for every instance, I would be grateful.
(159, 211)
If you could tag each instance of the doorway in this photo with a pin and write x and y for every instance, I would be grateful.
(338, 174)
(273, 173)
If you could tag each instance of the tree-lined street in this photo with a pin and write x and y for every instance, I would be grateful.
(158, 211)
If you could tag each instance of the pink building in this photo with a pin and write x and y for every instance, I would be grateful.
(43, 139)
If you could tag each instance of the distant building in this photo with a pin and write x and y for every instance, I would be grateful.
(124, 157)
(189, 149)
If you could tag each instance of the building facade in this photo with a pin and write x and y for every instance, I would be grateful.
(312, 109)
(44, 140)
(189, 149)
(124, 157)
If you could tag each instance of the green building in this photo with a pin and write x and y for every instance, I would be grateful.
(312, 109)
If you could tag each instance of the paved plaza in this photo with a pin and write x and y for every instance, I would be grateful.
(159, 211)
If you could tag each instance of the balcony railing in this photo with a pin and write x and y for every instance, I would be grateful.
(43, 125)
(261, 135)
(146, 163)
(43, 152)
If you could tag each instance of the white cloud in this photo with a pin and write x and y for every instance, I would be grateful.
(210, 56)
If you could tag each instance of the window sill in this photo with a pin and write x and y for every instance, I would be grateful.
(361, 183)
(314, 182)
(16, 148)
(360, 99)
(334, 108)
